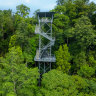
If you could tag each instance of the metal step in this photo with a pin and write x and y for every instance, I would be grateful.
(48, 45)
(37, 31)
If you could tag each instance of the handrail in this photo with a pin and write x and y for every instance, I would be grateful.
(37, 31)
(46, 46)
(45, 20)
(50, 59)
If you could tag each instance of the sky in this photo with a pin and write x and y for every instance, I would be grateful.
(43, 5)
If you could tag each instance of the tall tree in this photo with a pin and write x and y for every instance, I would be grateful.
(86, 71)
(83, 30)
(62, 2)
(57, 83)
(6, 30)
(60, 24)
(23, 10)
(63, 58)
(17, 78)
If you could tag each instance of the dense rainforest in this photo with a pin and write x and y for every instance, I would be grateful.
(73, 74)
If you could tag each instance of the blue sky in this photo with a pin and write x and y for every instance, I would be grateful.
(43, 5)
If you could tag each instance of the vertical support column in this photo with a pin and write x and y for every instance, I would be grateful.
(40, 74)
(44, 68)
(52, 18)
(51, 36)
(51, 25)
(39, 67)
(39, 40)
(50, 65)
(38, 17)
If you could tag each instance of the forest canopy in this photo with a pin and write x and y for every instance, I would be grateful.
(73, 73)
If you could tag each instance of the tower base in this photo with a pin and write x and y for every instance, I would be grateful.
(43, 68)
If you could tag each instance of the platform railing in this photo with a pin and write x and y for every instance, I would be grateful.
(44, 59)
(45, 20)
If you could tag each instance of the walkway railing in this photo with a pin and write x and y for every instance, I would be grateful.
(45, 20)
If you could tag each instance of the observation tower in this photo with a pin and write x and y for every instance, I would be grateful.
(44, 56)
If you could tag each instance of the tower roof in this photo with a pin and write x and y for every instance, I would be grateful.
(45, 14)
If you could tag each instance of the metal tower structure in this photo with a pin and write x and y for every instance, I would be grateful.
(44, 56)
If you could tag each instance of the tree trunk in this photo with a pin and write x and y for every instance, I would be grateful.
(15, 87)
(26, 64)
(14, 83)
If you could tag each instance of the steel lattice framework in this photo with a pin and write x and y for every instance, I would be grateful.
(46, 41)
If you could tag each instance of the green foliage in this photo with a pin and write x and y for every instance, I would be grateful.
(91, 59)
(12, 42)
(58, 84)
(62, 2)
(63, 58)
(23, 10)
(83, 30)
(80, 59)
(81, 83)
(6, 30)
(17, 78)
(60, 23)
(25, 38)
(30, 51)
(86, 71)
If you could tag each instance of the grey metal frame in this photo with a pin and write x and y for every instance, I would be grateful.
(43, 54)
